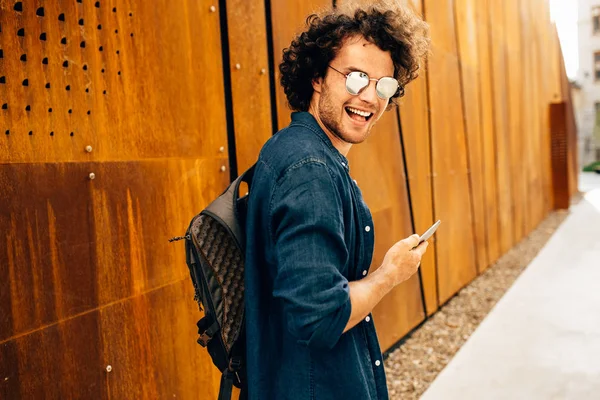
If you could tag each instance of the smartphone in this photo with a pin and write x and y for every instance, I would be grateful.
(429, 232)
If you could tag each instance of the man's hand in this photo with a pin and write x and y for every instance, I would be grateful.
(399, 264)
(402, 260)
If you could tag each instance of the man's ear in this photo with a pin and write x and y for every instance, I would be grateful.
(317, 83)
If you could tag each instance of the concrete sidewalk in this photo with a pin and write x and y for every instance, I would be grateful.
(542, 339)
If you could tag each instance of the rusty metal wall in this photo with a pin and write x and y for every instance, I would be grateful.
(151, 102)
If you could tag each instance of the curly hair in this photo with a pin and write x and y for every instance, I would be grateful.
(387, 24)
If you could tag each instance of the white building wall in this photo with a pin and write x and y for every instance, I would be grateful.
(589, 94)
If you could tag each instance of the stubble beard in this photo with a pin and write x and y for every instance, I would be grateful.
(330, 117)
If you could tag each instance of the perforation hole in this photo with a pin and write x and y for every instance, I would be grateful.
(45, 61)
(100, 48)
(7, 132)
(72, 134)
(43, 36)
(2, 79)
(82, 44)
(68, 87)
(81, 21)
(5, 106)
(50, 110)
(63, 40)
(48, 85)
(52, 133)
(61, 17)
(23, 57)
(28, 108)
(25, 82)
(65, 64)
(18, 6)
(40, 12)
(21, 32)
(30, 133)
(97, 4)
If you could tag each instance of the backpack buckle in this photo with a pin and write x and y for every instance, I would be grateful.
(206, 334)
(204, 339)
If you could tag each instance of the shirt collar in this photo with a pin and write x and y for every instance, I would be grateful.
(306, 119)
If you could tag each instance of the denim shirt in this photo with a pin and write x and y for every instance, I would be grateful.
(309, 233)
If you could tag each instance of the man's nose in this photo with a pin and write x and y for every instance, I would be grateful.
(368, 94)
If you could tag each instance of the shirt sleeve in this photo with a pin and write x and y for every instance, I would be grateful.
(308, 233)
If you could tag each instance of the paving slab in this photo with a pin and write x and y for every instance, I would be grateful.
(542, 339)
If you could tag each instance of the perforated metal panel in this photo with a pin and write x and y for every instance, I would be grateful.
(559, 152)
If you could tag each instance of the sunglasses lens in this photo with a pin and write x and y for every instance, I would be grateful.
(356, 81)
(387, 87)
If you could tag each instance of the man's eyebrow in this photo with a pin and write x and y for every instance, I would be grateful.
(354, 69)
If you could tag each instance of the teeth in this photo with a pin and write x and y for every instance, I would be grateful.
(355, 111)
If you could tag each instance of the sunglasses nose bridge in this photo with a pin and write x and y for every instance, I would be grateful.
(369, 92)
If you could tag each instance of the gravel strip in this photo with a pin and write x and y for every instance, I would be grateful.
(414, 365)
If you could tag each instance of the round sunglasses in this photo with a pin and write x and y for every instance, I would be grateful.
(356, 81)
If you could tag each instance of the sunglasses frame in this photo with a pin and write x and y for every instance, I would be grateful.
(370, 79)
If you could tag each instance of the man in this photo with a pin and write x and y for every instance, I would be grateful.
(308, 292)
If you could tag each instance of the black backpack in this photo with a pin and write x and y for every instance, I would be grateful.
(215, 251)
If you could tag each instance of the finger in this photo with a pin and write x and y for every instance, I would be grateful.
(412, 241)
(422, 248)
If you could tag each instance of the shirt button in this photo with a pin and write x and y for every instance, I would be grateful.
(368, 318)
(378, 363)
(367, 228)
(365, 272)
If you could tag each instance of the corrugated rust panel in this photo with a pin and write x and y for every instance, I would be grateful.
(131, 81)
(414, 115)
(487, 132)
(73, 244)
(539, 122)
(288, 19)
(249, 78)
(501, 127)
(148, 341)
(548, 95)
(452, 201)
(466, 26)
(560, 156)
(514, 90)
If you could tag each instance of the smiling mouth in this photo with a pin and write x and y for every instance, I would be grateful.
(358, 115)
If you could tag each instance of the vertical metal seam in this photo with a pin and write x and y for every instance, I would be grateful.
(410, 206)
(272, 66)
(225, 53)
(431, 183)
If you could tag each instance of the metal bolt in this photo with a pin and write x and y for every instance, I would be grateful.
(88, 149)
(93, 176)
(238, 66)
(223, 168)
(213, 9)
(108, 368)
(263, 71)
(222, 149)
